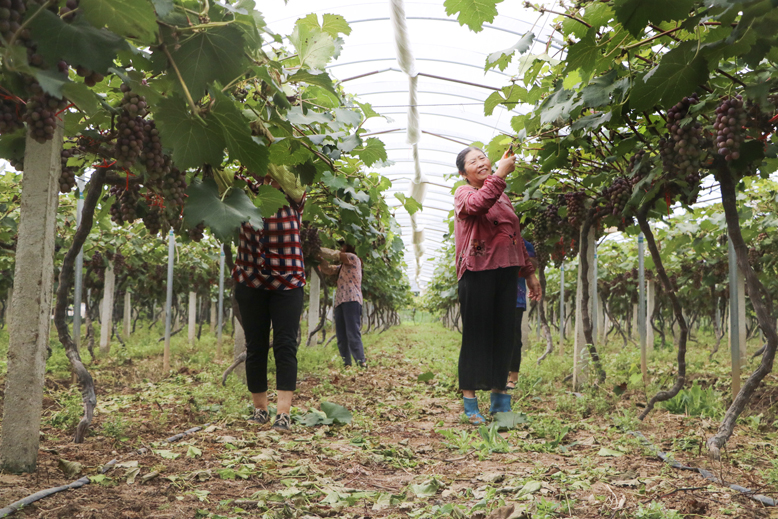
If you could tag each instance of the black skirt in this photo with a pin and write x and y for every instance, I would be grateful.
(488, 303)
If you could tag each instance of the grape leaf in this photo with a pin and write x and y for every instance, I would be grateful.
(503, 58)
(583, 55)
(680, 73)
(242, 146)
(323, 80)
(337, 413)
(314, 46)
(193, 142)
(163, 7)
(82, 96)
(371, 152)
(334, 24)
(222, 217)
(77, 42)
(409, 203)
(129, 18)
(473, 13)
(270, 199)
(215, 55)
(635, 15)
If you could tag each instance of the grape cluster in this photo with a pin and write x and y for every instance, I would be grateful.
(67, 176)
(11, 113)
(174, 187)
(157, 164)
(614, 198)
(546, 222)
(730, 119)
(97, 261)
(311, 242)
(153, 220)
(41, 114)
(681, 149)
(119, 262)
(129, 140)
(576, 210)
(11, 15)
(638, 169)
(197, 232)
(125, 209)
(91, 78)
(132, 103)
(70, 6)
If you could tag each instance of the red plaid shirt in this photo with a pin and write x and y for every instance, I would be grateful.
(271, 258)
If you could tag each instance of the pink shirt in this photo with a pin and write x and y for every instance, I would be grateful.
(486, 230)
(349, 281)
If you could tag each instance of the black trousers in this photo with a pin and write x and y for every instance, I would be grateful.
(487, 300)
(517, 344)
(348, 320)
(258, 309)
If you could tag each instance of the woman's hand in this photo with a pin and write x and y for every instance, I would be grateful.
(507, 164)
(534, 291)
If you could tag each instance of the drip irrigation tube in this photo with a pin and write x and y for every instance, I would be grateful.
(37, 496)
(767, 501)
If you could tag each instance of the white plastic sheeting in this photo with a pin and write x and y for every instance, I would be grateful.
(429, 82)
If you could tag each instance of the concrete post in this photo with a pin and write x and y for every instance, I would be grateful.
(734, 320)
(562, 310)
(127, 313)
(314, 285)
(79, 270)
(192, 316)
(171, 249)
(106, 309)
(29, 317)
(220, 313)
(581, 353)
(651, 293)
(642, 308)
(741, 310)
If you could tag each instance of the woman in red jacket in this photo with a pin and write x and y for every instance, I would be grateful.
(490, 256)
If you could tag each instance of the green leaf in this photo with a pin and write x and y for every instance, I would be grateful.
(337, 413)
(371, 152)
(168, 455)
(680, 73)
(323, 80)
(367, 110)
(193, 452)
(215, 55)
(313, 418)
(12, 146)
(530, 487)
(289, 152)
(409, 203)
(334, 24)
(270, 199)
(509, 420)
(194, 143)
(609, 453)
(502, 58)
(593, 121)
(314, 47)
(163, 7)
(82, 96)
(424, 377)
(243, 147)
(228, 474)
(222, 217)
(473, 13)
(129, 18)
(583, 55)
(426, 489)
(76, 42)
(635, 15)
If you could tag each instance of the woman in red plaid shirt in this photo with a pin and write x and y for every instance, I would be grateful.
(270, 277)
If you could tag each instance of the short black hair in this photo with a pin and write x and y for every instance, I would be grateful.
(461, 157)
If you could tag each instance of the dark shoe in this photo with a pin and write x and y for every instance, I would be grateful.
(260, 416)
(283, 422)
(472, 412)
(362, 364)
(501, 403)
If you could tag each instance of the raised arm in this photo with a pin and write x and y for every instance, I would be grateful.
(474, 202)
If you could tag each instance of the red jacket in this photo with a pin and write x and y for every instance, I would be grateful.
(486, 230)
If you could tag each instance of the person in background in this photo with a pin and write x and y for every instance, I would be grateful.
(348, 304)
(270, 277)
(490, 256)
(521, 306)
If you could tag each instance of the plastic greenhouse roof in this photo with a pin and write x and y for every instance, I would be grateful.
(452, 88)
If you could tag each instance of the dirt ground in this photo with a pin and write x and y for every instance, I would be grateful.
(368, 468)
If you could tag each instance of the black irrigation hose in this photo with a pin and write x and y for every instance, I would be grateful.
(767, 501)
(13, 507)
